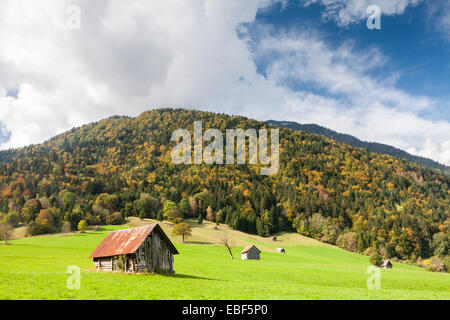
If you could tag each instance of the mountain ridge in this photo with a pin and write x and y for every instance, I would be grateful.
(376, 147)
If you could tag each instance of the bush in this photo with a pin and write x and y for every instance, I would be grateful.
(34, 229)
(92, 220)
(74, 217)
(435, 264)
(66, 227)
(168, 205)
(348, 241)
(116, 218)
(376, 259)
(82, 226)
(46, 220)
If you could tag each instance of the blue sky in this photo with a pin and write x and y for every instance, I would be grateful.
(65, 63)
(416, 49)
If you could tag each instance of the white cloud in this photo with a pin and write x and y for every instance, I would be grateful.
(127, 57)
(338, 71)
(345, 12)
(134, 55)
(443, 19)
(371, 109)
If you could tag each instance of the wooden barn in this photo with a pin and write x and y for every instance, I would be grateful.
(250, 253)
(143, 249)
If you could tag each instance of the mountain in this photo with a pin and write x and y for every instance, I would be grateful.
(355, 142)
(122, 166)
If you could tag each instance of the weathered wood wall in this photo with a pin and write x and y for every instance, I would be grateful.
(162, 258)
(104, 263)
(154, 254)
(252, 254)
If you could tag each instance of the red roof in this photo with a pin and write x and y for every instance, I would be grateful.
(127, 241)
(247, 249)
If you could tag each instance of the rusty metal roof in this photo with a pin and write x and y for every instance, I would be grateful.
(247, 249)
(127, 241)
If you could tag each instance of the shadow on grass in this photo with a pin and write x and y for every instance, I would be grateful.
(197, 242)
(188, 276)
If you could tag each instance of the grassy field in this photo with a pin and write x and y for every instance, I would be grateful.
(35, 268)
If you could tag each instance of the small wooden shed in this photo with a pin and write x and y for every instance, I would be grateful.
(386, 264)
(250, 253)
(143, 249)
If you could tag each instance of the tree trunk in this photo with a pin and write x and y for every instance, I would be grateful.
(229, 250)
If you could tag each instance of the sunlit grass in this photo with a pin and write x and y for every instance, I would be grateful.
(35, 268)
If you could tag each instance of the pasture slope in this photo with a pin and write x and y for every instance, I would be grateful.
(35, 268)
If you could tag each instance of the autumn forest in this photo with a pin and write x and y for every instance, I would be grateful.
(121, 166)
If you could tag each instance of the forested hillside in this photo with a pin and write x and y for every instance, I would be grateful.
(118, 167)
(355, 142)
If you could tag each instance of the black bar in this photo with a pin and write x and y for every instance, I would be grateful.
(226, 309)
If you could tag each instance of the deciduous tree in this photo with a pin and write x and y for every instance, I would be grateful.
(6, 231)
(182, 229)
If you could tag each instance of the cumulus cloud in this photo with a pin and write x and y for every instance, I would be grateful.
(347, 99)
(440, 12)
(345, 12)
(131, 56)
(310, 60)
(126, 58)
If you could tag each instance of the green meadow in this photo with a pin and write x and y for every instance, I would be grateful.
(36, 268)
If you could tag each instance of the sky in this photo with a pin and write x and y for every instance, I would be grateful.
(67, 63)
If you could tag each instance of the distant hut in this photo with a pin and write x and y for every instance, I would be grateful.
(250, 253)
(387, 264)
(281, 250)
(135, 250)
